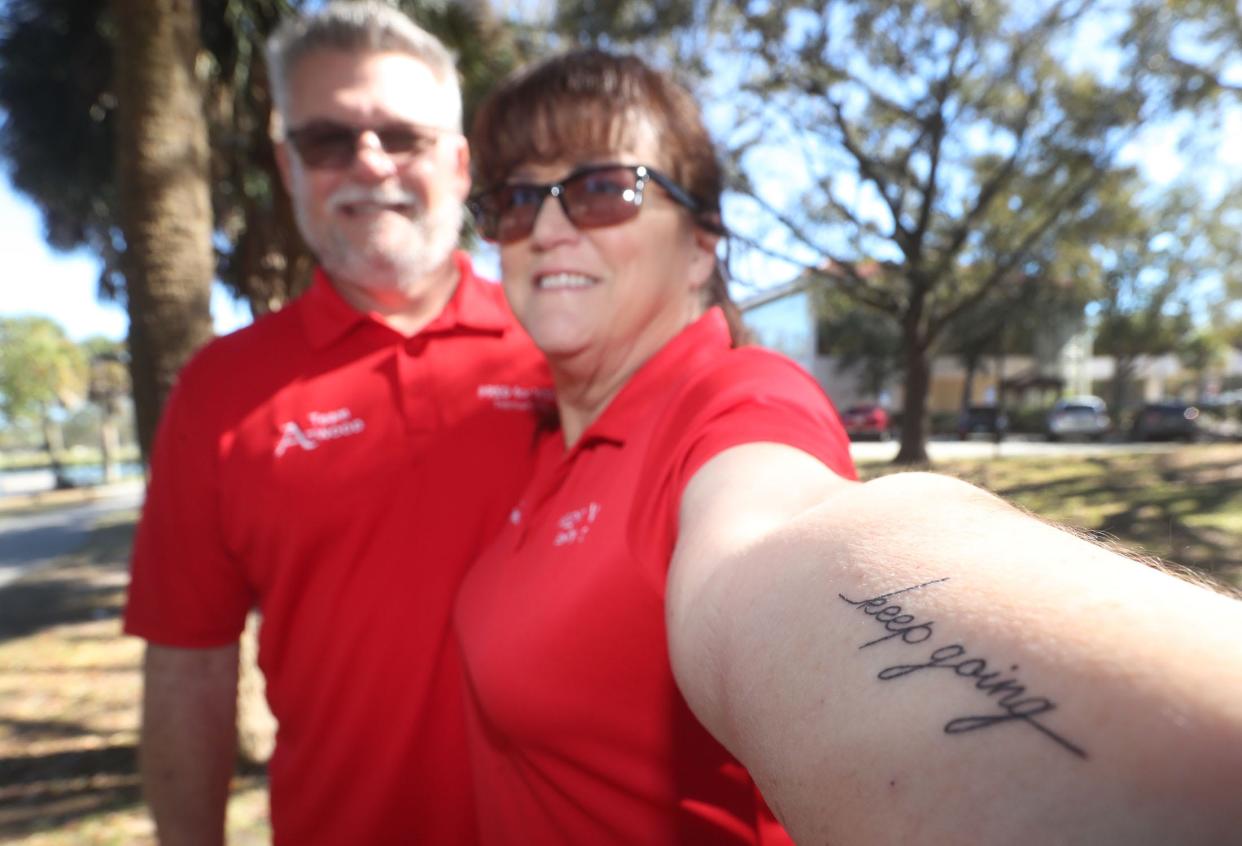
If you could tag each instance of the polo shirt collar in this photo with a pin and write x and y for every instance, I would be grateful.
(651, 384)
(472, 308)
(327, 317)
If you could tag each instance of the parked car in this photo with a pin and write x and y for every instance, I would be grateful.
(982, 420)
(866, 421)
(1078, 417)
(1164, 421)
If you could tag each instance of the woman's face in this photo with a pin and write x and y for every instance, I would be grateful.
(600, 302)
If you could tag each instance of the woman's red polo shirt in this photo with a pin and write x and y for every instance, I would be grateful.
(578, 733)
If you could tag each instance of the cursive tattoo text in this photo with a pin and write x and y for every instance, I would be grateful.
(1009, 694)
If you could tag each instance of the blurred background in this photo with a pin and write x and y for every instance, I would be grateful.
(1004, 236)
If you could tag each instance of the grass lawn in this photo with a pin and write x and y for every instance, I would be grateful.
(69, 683)
(1183, 506)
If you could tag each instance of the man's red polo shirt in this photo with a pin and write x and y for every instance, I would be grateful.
(578, 733)
(341, 476)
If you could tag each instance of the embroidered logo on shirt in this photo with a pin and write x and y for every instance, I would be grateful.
(320, 426)
(576, 525)
(515, 397)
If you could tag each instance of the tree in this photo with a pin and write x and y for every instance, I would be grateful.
(164, 198)
(57, 139)
(1201, 352)
(108, 384)
(678, 34)
(1153, 265)
(1210, 35)
(863, 342)
(949, 140)
(42, 373)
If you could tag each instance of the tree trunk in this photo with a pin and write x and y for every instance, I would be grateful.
(109, 447)
(54, 443)
(914, 415)
(971, 363)
(1123, 372)
(915, 345)
(165, 201)
(1002, 410)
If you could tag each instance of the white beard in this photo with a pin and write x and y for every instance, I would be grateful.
(386, 260)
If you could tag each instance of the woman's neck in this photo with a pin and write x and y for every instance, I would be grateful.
(587, 382)
(581, 397)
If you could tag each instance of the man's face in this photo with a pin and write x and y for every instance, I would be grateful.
(379, 220)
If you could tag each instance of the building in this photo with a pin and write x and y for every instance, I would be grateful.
(783, 318)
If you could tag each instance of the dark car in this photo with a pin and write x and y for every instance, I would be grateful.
(1166, 421)
(866, 421)
(982, 420)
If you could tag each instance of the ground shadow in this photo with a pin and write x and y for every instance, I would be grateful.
(45, 792)
(78, 589)
(1151, 509)
(59, 769)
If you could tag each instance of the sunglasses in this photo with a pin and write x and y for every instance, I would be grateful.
(591, 197)
(327, 145)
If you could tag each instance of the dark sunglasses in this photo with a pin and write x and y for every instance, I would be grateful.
(591, 197)
(333, 146)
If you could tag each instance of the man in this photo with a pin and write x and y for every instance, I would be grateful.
(338, 465)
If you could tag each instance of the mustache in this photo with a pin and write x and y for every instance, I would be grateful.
(385, 195)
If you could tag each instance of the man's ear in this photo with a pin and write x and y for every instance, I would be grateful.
(462, 168)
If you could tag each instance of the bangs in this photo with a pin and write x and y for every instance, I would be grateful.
(540, 117)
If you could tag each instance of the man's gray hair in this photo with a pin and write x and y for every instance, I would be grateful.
(361, 26)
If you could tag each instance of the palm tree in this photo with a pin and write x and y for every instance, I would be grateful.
(164, 194)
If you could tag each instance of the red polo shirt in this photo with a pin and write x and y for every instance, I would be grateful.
(341, 477)
(578, 733)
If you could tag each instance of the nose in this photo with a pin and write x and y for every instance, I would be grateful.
(552, 225)
(371, 163)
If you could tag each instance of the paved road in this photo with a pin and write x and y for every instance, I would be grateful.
(949, 450)
(28, 541)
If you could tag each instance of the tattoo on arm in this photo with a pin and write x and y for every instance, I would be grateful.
(1009, 694)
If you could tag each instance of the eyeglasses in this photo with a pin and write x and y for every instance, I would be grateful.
(591, 197)
(327, 145)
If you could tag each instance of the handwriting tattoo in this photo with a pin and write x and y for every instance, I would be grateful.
(1010, 696)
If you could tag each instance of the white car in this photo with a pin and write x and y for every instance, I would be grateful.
(1078, 417)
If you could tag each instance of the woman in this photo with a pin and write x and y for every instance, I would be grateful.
(693, 578)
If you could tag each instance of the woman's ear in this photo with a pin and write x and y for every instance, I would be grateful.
(703, 259)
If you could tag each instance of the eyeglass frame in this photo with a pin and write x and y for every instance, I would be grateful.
(427, 136)
(642, 175)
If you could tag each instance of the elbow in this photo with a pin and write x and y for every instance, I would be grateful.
(917, 503)
(697, 643)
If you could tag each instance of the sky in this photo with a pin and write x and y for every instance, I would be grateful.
(63, 286)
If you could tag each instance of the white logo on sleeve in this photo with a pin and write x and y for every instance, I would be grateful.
(576, 525)
(320, 426)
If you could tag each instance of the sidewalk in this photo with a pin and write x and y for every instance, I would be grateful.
(26, 494)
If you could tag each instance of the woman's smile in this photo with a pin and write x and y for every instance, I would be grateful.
(560, 280)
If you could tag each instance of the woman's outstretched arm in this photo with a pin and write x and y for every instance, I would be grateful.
(911, 659)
